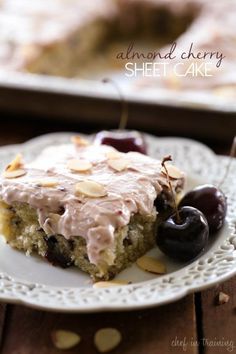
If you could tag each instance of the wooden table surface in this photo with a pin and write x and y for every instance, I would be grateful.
(194, 324)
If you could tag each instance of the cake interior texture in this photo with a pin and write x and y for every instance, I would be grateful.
(19, 223)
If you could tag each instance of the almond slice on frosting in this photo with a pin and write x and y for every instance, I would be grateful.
(65, 339)
(118, 164)
(107, 339)
(47, 182)
(79, 141)
(77, 165)
(113, 154)
(152, 265)
(15, 164)
(54, 217)
(173, 172)
(90, 189)
(14, 173)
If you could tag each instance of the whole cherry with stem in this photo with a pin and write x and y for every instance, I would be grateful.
(122, 140)
(184, 234)
(210, 199)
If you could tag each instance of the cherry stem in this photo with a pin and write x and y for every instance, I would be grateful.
(231, 155)
(165, 159)
(124, 111)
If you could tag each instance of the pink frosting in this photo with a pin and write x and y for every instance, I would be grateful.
(128, 192)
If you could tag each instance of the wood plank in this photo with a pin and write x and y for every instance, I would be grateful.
(219, 321)
(3, 309)
(151, 331)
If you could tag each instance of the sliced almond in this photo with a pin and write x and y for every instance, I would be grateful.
(54, 217)
(113, 155)
(90, 189)
(15, 164)
(174, 82)
(223, 298)
(77, 165)
(51, 222)
(79, 141)
(14, 173)
(227, 91)
(109, 283)
(173, 172)
(65, 339)
(152, 265)
(107, 339)
(47, 182)
(118, 164)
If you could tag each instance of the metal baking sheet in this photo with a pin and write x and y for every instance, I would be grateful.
(95, 89)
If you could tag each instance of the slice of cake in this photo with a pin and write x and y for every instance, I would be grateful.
(85, 205)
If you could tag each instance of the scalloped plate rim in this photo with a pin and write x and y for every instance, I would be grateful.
(109, 307)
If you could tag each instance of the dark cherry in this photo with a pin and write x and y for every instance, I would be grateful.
(162, 204)
(186, 239)
(123, 141)
(212, 203)
(53, 254)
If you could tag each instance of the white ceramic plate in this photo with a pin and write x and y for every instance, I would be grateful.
(34, 282)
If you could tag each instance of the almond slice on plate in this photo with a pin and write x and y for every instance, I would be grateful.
(47, 182)
(173, 172)
(107, 339)
(14, 173)
(118, 164)
(79, 141)
(65, 339)
(77, 165)
(223, 298)
(90, 189)
(152, 265)
(15, 164)
(109, 283)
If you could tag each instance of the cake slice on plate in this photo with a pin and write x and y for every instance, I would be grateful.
(85, 205)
